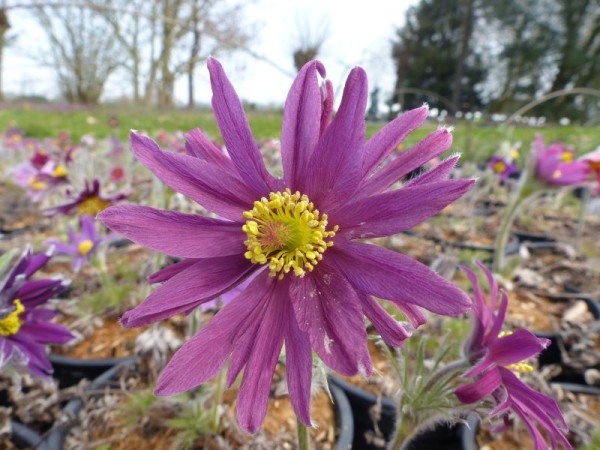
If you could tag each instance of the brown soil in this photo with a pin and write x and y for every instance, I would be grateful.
(109, 341)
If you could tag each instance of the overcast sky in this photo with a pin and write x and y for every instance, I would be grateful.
(358, 35)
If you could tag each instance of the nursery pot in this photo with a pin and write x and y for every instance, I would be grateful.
(442, 436)
(70, 371)
(24, 437)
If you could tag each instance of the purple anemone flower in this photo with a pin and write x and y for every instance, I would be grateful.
(556, 165)
(81, 246)
(497, 359)
(87, 202)
(25, 328)
(502, 167)
(39, 182)
(313, 281)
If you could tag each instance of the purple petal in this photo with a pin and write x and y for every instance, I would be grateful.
(170, 271)
(391, 331)
(395, 211)
(298, 360)
(430, 147)
(329, 309)
(205, 183)
(398, 278)
(438, 173)
(515, 347)
(35, 352)
(253, 396)
(327, 97)
(301, 123)
(338, 149)
(203, 355)
(36, 292)
(197, 284)
(386, 140)
(174, 233)
(35, 263)
(484, 386)
(198, 145)
(236, 132)
(46, 332)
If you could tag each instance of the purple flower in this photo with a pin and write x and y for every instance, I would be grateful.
(39, 182)
(81, 246)
(313, 282)
(497, 358)
(87, 202)
(502, 167)
(556, 165)
(25, 329)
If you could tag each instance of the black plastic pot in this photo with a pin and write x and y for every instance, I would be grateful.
(56, 439)
(344, 418)
(24, 437)
(535, 238)
(70, 371)
(552, 354)
(447, 437)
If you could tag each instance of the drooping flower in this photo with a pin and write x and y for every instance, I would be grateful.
(87, 202)
(25, 328)
(313, 282)
(593, 161)
(498, 357)
(80, 246)
(556, 164)
(502, 167)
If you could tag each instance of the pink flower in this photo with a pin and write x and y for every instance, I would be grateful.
(556, 165)
(313, 282)
(496, 357)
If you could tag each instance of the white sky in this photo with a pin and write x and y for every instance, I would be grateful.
(359, 34)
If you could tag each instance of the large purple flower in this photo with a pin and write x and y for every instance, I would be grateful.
(80, 246)
(25, 329)
(497, 358)
(313, 281)
(556, 164)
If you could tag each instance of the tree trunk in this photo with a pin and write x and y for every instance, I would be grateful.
(464, 53)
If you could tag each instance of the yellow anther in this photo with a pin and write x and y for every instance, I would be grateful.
(85, 247)
(60, 171)
(499, 167)
(520, 367)
(287, 232)
(37, 185)
(92, 206)
(11, 324)
(566, 157)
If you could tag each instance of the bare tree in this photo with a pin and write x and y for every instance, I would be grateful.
(4, 27)
(83, 50)
(310, 37)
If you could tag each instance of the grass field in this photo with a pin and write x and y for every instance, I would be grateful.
(476, 142)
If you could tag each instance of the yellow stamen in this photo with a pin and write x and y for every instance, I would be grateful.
(514, 154)
(11, 324)
(37, 185)
(566, 157)
(499, 167)
(60, 171)
(287, 232)
(85, 247)
(520, 367)
(92, 206)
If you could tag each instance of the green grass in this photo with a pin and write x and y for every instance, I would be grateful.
(476, 142)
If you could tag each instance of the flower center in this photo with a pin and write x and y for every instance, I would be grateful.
(92, 206)
(11, 324)
(499, 167)
(60, 171)
(520, 367)
(566, 157)
(85, 247)
(287, 232)
(37, 185)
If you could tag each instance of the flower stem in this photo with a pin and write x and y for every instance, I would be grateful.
(507, 221)
(303, 437)
(581, 222)
(217, 400)
(445, 370)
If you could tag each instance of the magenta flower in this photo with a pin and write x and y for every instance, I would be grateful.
(593, 161)
(497, 358)
(25, 329)
(502, 167)
(556, 165)
(87, 202)
(81, 246)
(39, 182)
(313, 282)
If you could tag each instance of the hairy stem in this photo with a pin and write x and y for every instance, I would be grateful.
(507, 221)
(303, 437)
(218, 400)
